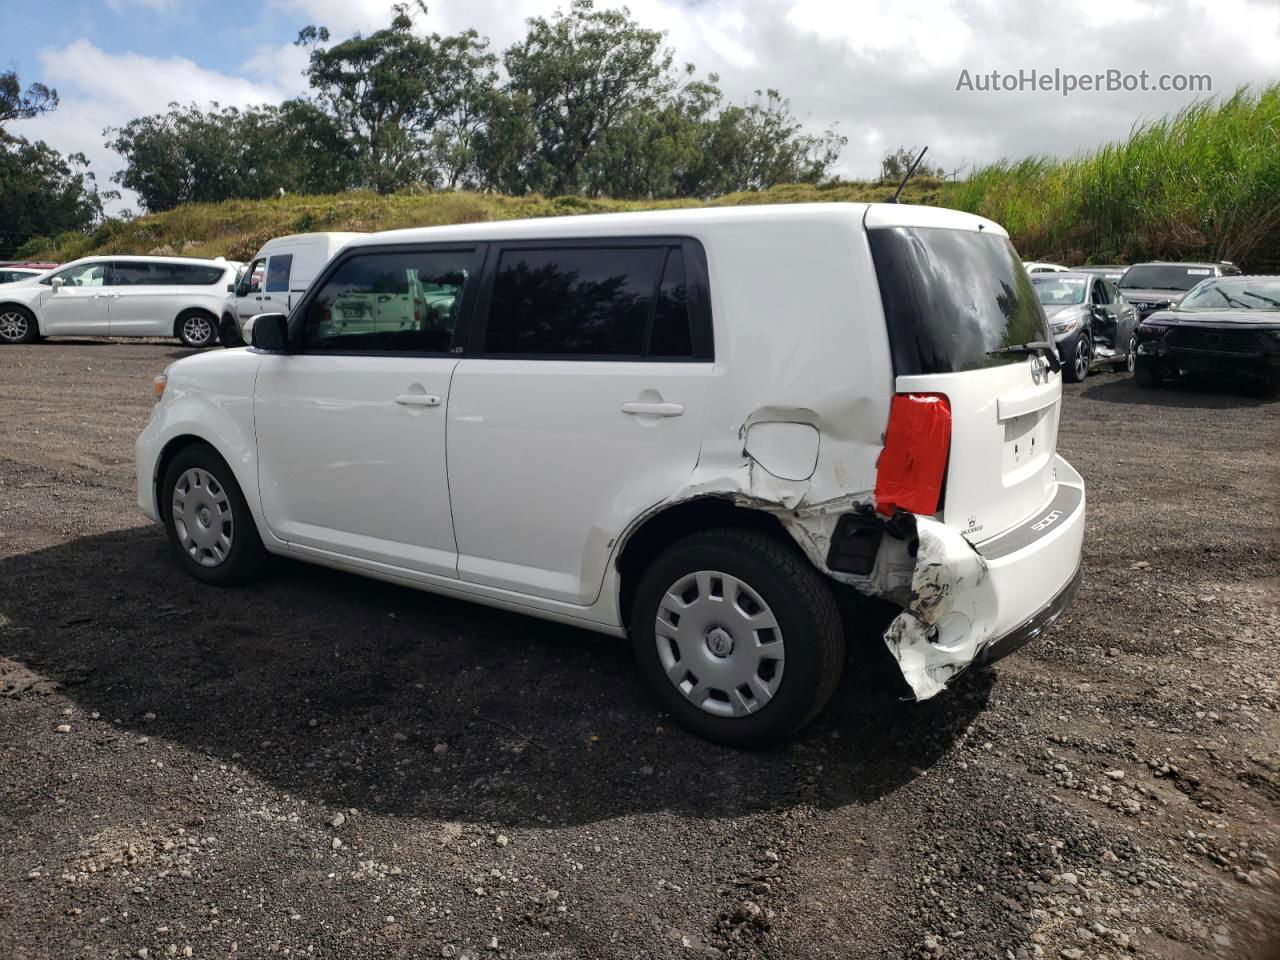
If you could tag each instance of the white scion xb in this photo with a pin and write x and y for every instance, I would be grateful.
(713, 431)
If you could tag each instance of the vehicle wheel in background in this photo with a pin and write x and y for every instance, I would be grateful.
(18, 325)
(1077, 367)
(229, 333)
(196, 328)
(1147, 373)
(1131, 357)
(207, 519)
(718, 616)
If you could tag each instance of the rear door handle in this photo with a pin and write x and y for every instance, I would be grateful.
(418, 399)
(639, 409)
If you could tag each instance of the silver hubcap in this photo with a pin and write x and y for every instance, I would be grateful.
(197, 329)
(202, 517)
(1132, 360)
(719, 644)
(13, 325)
(1082, 358)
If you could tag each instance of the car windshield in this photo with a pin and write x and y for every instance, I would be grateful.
(1057, 292)
(952, 297)
(1163, 276)
(1235, 293)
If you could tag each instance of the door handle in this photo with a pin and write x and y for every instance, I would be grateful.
(640, 409)
(418, 400)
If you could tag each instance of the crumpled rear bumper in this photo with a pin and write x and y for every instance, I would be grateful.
(974, 603)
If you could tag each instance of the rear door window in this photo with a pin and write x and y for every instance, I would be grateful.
(589, 301)
(951, 297)
(132, 273)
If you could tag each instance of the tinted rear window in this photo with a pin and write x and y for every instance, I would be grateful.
(1164, 277)
(952, 296)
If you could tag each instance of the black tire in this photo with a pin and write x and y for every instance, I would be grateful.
(246, 559)
(18, 325)
(1126, 365)
(1071, 366)
(229, 333)
(196, 328)
(1147, 373)
(800, 600)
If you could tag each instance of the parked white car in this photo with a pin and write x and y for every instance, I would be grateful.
(119, 297)
(11, 274)
(716, 431)
(1035, 266)
(276, 278)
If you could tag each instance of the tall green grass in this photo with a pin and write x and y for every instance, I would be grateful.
(1203, 183)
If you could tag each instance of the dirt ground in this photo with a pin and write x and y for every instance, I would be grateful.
(325, 766)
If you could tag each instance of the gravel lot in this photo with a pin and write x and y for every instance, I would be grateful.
(326, 766)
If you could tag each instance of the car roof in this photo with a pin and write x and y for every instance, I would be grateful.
(660, 222)
(1185, 263)
(199, 261)
(1062, 275)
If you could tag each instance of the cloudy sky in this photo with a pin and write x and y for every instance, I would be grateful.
(886, 73)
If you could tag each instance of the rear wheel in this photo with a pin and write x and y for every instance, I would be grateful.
(196, 329)
(739, 637)
(1077, 366)
(210, 528)
(1147, 373)
(18, 325)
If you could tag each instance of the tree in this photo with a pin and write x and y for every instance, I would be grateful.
(403, 100)
(42, 193)
(189, 155)
(578, 75)
(16, 105)
(895, 165)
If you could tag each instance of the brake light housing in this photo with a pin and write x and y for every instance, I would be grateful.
(913, 464)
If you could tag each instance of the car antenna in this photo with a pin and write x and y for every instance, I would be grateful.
(910, 171)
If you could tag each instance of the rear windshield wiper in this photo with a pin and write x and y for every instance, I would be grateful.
(1036, 347)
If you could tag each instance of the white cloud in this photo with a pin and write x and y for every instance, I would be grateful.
(100, 90)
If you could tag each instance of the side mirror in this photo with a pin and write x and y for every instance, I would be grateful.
(231, 288)
(269, 331)
(57, 282)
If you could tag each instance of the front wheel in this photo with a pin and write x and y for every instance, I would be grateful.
(196, 329)
(739, 637)
(207, 519)
(1147, 373)
(229, 333)
(1077, 366)
(18, 325)
(1132, 357)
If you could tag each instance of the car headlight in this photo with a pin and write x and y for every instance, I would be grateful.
(1067, 326)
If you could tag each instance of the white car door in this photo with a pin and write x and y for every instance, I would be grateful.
(579, 405)
(351, 426)
(275, 287)
(80, 305)
(144, 298)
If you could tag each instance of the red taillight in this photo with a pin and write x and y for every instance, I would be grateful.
(914, 460)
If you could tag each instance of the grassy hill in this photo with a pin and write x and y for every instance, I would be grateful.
(237, 228)
(1201, 184)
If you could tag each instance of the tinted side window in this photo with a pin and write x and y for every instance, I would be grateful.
(389, 303)
(191, 274)
(251, 279)
(126, 273)
(278, 268)
(671, 335)
(573, 301)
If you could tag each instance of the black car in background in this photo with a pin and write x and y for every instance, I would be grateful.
(1090, 322)
(1160, 285)
(1227, 328)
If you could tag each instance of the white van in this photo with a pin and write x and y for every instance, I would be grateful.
(714, 431)
(276, 277)
(119, 296)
